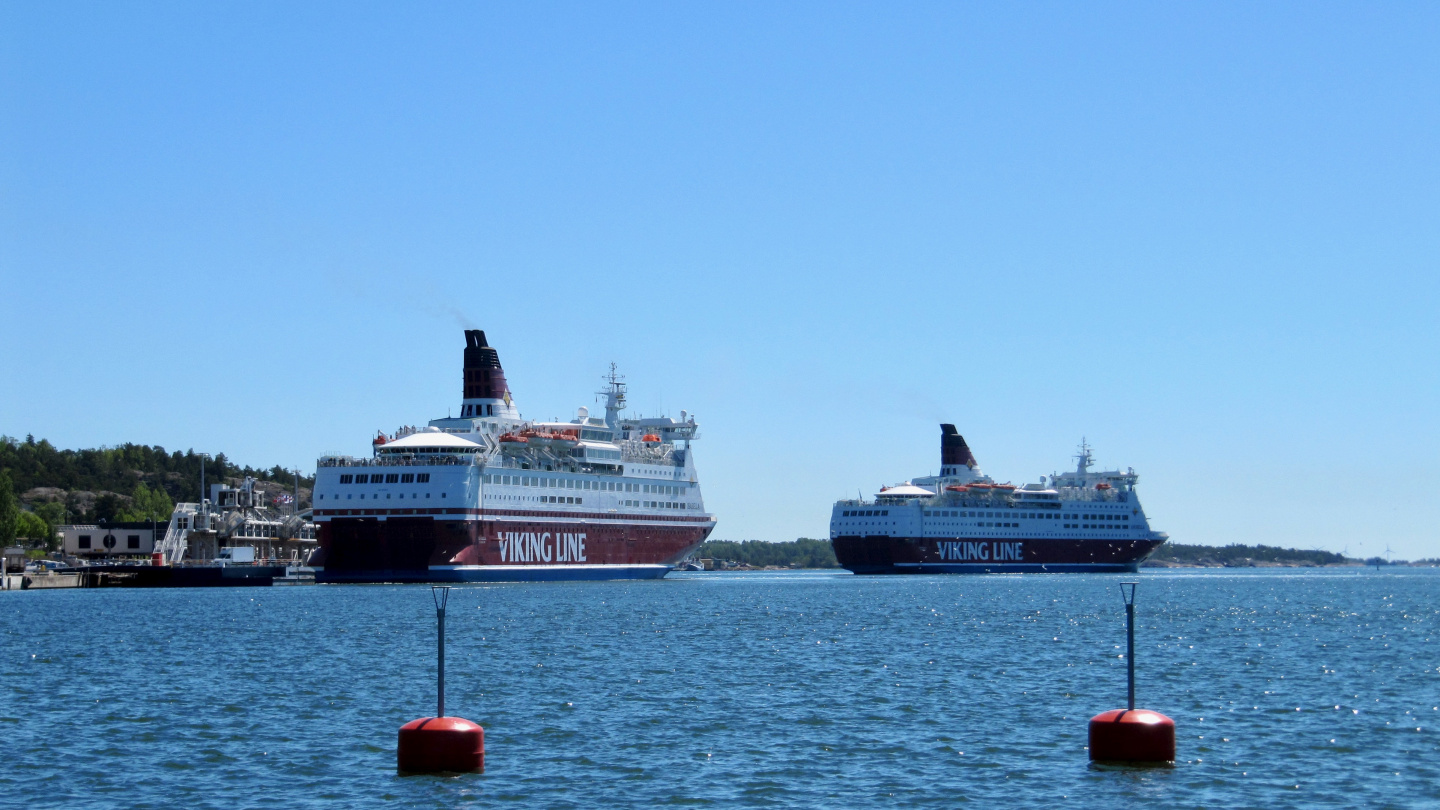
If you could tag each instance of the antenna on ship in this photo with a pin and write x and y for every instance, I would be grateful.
(614, 394)
(1084, 458)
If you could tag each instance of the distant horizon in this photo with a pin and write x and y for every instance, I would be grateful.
(1202, 237)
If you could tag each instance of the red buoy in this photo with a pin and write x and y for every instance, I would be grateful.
(441, 745)
(1132, 735)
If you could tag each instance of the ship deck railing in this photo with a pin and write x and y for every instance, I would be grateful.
(411, 461)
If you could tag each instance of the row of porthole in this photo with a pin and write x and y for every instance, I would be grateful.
(413, 496)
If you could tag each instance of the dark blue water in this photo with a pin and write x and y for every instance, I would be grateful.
(1289, 689)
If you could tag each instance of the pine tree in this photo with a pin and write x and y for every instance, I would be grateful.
(9, 509)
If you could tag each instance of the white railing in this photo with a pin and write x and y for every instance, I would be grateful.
(182, 520)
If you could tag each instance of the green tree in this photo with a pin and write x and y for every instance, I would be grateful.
(9, 509)
(148, 504)
(108, 508)
(53, 513)
(32, 527)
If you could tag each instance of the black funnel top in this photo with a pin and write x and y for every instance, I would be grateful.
(484, 379)
(953, 449)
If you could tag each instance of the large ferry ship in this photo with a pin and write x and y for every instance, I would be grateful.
(491, 496)
(962, 521)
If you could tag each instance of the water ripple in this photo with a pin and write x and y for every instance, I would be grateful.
(1289, 689)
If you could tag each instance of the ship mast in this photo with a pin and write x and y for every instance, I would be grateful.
(1084, 458)
(614, 394)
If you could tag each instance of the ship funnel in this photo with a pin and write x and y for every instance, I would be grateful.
(954, 452)
(486, 392)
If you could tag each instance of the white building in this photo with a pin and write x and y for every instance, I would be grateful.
(109, 540)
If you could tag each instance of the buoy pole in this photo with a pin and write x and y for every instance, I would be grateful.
(440, 744)
(1131, 735)
(441, 595)
(1129, 636)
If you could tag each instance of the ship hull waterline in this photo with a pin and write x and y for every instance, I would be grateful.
(883, 554)
(361, 550)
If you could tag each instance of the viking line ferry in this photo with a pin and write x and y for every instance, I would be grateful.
(490, 496)
(962, 521)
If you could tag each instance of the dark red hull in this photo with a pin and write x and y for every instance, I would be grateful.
(908, 555)
(501, 546)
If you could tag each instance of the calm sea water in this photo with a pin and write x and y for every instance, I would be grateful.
(1288, 688)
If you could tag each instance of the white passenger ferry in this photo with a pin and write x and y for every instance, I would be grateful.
(490, 495)
(963, 521)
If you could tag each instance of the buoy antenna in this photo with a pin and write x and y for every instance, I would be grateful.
(1127, 593)
(441, 595)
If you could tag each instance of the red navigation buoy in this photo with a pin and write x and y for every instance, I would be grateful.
(1132, 735)
(441, 745)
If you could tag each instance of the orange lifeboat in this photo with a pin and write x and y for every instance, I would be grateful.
(1103, 486)
(379, 439)
(650, 439)
(981, 486)
(1008, 487)
(565, 438)
(957, 488)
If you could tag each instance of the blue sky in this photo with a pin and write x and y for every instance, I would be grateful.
(1205, 237)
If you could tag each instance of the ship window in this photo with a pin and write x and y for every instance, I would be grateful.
(345, 479)
(84, 541)
(392, 478)
(407, 478)
(442, 494)
(422, 478)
